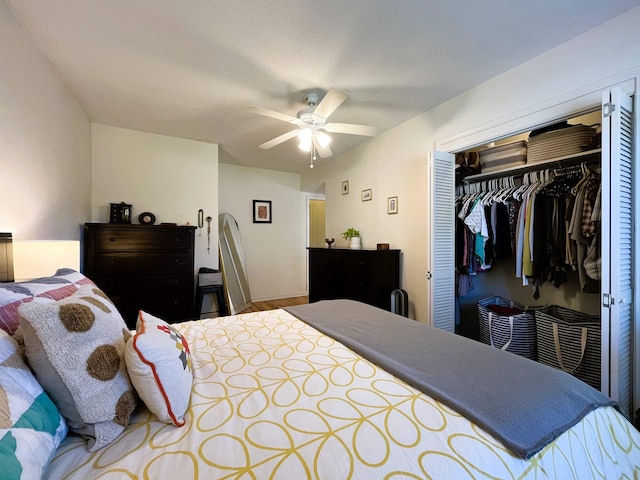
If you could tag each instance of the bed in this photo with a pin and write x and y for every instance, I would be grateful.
(301, 393)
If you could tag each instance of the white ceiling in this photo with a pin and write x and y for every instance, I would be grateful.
(189, 68)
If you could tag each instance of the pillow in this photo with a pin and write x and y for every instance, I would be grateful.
(47, 289)
(159, 364)
(76, 349)
(31, 427)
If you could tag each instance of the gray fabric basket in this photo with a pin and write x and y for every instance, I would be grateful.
(570, 340)
(513, 333)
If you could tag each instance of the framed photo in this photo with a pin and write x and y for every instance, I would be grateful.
(345, 187)
(392, 205)
(366, 195)
(262, 211)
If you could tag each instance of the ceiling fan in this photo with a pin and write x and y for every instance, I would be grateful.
(312, 124)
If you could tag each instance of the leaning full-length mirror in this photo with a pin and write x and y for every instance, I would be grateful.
(232, 264)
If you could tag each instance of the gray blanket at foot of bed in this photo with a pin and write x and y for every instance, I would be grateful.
(522, 403)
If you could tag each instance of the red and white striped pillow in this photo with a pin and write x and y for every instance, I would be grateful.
(63, 283)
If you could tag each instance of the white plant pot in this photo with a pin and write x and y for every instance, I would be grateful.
(355, 243)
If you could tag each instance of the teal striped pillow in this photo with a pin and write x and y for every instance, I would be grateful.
(31, 428)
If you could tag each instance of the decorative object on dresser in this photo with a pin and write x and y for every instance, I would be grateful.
(365, 275)
(353, 235)
(143, 268)
(147, 218)
(120, 213)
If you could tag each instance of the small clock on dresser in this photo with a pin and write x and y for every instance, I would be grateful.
(147, 218)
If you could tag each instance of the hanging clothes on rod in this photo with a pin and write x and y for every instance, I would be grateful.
(547, 219)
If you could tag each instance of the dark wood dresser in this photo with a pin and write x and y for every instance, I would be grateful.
(365, 275)
(143, 267)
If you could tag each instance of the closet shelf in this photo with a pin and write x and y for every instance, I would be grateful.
(588, 156)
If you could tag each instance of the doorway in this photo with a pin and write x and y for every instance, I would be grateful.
(316, 221)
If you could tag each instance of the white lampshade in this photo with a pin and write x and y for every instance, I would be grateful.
(41, 258)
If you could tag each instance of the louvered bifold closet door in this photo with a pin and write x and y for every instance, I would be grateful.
(441, 238)
(617, 162)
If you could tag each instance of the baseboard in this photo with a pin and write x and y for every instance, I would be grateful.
(279, 297)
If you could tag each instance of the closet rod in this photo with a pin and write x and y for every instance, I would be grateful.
(584, 157)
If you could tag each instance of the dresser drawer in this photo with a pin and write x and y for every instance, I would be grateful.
(171, 307)
(114, 285)
(129, 263)
(151, 238)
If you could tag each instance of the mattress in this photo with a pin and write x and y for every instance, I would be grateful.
(275, 398)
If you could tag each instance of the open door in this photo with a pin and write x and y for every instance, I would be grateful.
(316, 221)
(617, 248)
(441, 240)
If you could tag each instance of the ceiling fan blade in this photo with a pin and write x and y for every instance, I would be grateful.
(332, 100)
(273, 114)
(324, 152)
(278, 140)
(352, 129)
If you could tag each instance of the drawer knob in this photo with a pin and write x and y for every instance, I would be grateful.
(112, 239)
(112, 262)
(177, 240)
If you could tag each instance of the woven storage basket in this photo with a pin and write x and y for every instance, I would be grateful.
(570, 341)
(513, 333)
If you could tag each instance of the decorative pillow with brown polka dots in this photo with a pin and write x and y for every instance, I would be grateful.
(76, 349)
(159, 363)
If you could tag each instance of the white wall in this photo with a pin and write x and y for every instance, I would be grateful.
(45, 144)
(167, 176)
(394, 163)
(275, 253)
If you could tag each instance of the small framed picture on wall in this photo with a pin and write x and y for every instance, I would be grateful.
(262, 211)
(366, 195)
(392, 205)
(345, 187)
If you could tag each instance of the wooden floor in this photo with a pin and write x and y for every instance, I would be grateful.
(273, 304)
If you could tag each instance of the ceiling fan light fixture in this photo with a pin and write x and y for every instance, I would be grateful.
(304, 136)
(311, 123)
(323, 139)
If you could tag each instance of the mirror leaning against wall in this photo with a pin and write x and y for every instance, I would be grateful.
(232, 264)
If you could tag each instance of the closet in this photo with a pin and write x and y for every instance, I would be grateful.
(614, 301)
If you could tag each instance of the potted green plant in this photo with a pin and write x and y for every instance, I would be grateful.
(353, 236)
